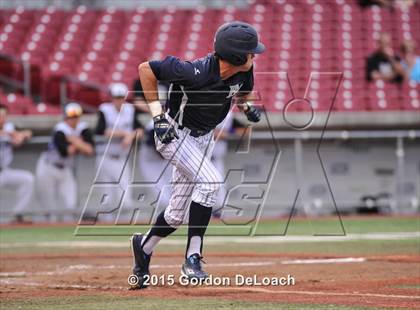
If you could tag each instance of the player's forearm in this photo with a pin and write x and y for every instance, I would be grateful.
(27, 134)
(109, 133)
(79, 145)
(17, 138)
(84, 147)
(149, 82)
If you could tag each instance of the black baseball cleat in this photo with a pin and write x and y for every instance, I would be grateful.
(192, 268)
(141, 264)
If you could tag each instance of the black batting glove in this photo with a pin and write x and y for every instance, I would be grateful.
(164, 131)
(252, 113)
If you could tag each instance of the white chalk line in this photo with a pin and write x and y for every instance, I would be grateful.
(348, 237)
(221, 240)
(72, 268)
(62, 286)
(264, 290)
(324, 261)
(253, 289)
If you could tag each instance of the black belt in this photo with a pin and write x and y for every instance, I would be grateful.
(114, 156)
(59, 166)
(195, 132)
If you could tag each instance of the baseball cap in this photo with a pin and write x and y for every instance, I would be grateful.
(73, 109)
(118, 90)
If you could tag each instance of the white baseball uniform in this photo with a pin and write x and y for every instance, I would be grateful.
(194, 175)
(113, 165)
(21, 181)
(56, 184)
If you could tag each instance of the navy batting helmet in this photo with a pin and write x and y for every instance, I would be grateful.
(235, 40)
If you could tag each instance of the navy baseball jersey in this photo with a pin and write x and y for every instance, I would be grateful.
(198, 98)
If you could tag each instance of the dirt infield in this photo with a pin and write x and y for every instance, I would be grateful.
(382, 281)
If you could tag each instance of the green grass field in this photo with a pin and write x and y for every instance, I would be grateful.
(29, 236)
(301, 227)
(104, 302)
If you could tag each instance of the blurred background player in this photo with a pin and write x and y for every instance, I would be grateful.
(153, 167)
(56, 183)
(117, 121)
(21, 181)
(229, 127)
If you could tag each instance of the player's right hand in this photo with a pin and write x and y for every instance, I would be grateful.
(71, 149)
(163, 129)
(128, 139)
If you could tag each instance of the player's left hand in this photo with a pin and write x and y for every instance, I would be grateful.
(252, 113)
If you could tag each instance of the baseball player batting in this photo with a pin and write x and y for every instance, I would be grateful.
(200, 97)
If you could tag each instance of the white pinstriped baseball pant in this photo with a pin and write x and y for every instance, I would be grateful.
(194, 176)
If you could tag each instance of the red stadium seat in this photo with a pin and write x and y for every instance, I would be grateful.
(106, 46)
